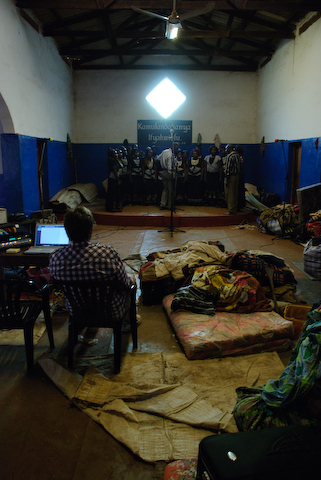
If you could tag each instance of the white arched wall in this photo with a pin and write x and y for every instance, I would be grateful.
(35, 82)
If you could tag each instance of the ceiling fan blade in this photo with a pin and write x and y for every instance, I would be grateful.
(199, 11)
(151, 14)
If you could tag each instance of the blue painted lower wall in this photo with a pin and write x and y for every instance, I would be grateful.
(19, 181)
(91, 162)
(270, 172)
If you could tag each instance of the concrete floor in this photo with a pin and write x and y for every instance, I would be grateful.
(43, 436)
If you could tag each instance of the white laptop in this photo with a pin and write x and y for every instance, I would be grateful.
(48, 238)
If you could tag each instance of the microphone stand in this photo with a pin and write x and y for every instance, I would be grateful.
(171, 228)
(285, 190)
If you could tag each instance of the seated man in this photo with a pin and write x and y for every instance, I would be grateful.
(82, 260)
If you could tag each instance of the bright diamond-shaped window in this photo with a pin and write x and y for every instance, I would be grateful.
(166, 97)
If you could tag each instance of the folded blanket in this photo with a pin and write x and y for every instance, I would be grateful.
(194, 300)
(194, 255)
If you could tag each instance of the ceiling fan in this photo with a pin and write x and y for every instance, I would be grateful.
(173, 22)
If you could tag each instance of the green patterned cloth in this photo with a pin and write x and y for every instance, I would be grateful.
(296, 396)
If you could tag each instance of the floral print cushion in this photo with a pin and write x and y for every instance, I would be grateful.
(181, 470)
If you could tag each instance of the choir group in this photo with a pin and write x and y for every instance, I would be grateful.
(137, 178)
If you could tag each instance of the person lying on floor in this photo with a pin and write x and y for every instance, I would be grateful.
(295, 398)
(82, 260)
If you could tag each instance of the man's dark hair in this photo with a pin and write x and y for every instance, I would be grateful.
(79, 224)
(239, 149)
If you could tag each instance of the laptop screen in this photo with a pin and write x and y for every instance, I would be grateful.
(50, 235)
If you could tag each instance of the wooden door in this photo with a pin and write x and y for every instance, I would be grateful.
(296, 148)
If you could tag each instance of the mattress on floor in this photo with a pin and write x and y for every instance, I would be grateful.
(228, 333)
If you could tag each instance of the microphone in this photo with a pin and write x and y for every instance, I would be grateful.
(279, 140)
(172, 133)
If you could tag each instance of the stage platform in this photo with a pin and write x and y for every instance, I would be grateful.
(183, 216)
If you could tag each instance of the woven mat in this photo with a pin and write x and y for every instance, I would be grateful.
(16, 337)
(162, 405)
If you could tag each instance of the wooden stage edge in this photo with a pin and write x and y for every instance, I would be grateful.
(163, 220)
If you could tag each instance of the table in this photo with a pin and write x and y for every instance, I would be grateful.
(21, 260)
(11, 260)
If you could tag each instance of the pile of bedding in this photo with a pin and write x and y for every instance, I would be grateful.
(165, 271)
(217, 302)
(283, 218)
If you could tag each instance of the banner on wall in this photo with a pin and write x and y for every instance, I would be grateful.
(155, 132)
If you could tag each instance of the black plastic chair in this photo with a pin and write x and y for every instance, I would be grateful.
(91, 306)
(19, 309)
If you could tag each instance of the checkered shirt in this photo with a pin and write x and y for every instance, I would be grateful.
(85, 261)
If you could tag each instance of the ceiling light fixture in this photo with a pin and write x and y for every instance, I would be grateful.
(173, 21)
(172, 30)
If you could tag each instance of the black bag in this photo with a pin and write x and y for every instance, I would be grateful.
(154, 291)
(282, 453)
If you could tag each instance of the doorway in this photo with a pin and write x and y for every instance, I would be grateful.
(295, 168)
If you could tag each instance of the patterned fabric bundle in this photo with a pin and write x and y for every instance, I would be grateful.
(256, 264)
(287, 216)
(231, 290)
(296, 396)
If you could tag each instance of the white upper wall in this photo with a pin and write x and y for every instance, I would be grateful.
(35, 83)
(109, 103)
(289, 93)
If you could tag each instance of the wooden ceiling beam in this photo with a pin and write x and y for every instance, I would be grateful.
(71, 47)
(193, 68)
(56, 29)
(65, 4)
(254, 20)
(49, 29)
(268, 5)
(148, 47)
(77, 43)
(111, 36)
(101, 53)
(200, 42)
(221, 33)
